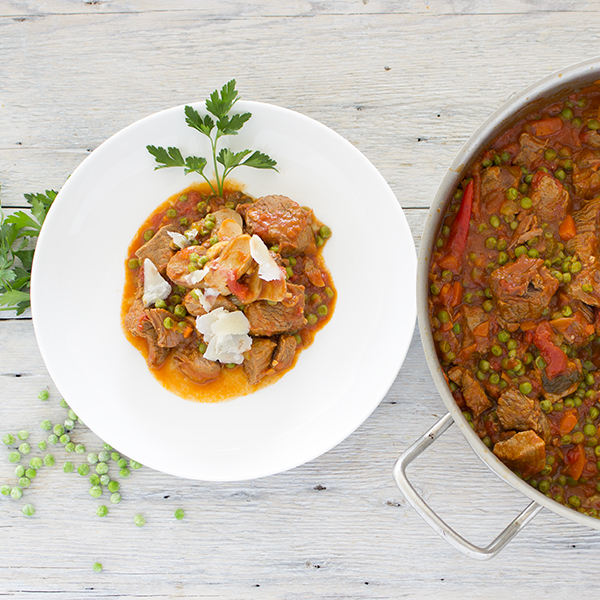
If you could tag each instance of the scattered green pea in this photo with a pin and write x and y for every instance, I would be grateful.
(16, 492)
(9, 439)
(83, 469)
(44, 395)
(139, 520)
(102, 511)
(28, 510)
(49, 460)
(97, 567)
(115, 498)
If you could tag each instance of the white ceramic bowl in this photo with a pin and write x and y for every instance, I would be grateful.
(78, 277)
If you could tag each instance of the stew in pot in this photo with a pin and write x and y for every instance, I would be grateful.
(514, 299)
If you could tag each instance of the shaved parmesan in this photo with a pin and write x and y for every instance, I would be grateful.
(268, 270)
(226, 334)
(155, 287)
(195, 276)
(179, 239)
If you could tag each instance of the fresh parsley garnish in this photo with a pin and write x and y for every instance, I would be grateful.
(17, 233)
(221, 123)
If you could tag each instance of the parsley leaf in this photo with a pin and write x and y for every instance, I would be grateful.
(16, 257)
(219, 104)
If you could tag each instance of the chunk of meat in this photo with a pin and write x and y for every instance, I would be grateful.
(178, 267)
(194, 366)
(137, 322)
(476, 325)
(158, 249)
(587, 218)
(277, 220)
(257, 359)
(157, 355)
(520, 413)
(531, 153)
(285, 353)
(195, 308)
(313, 273)
(550, 199)
(527, 229)
(496, 180)
(167, 338)
(586, 172)
(523, 289)
(474, 394)
(590, 138)
(576, 329)
(585, 285)
(585, 245)
(524, 452)
(268, 319)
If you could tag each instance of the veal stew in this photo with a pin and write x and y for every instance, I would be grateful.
(514, 299)
(222, 293)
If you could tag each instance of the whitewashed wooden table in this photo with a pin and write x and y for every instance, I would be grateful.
(407, 83)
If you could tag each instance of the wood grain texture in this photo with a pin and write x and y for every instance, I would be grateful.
(406, 83)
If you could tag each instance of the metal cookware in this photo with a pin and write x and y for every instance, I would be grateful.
(532, 99)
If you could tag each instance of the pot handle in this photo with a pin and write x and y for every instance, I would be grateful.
(434, 520)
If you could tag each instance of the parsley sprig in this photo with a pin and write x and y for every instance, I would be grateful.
(17, 232)
(218, 105)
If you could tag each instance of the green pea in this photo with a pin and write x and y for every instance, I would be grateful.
(16, 492)
(148, 234)
(589, 429)
(495, 221)
(546, 405)
(325, 232)
(512, 344)
(168, 323)
(68, 467)
(179, 514)
(124, 473)
(544, 486)
(502, 258)
(567, 113)
(49, 460)
(525, 387)
(589, 379)
(9, 439)
(550, 154)
(24, 448)
(520, 250)
(139, 520)
(95, 491)
(503, 336)
(526, 202)
(312, 319)
(28, 510)
(44, 395)
(101, 468)
(171, 213)
(83, 469)
(102, 511)
(36, 462)
(575, 267)
(511, 194)
(115, 498)
(322, 310)
(593, 124)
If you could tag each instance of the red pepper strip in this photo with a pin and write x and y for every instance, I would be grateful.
(556, 360)
(459, 231)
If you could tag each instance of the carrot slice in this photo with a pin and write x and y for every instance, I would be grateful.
(567, 229)
(545, 127)
(568, 421)
(576, 459)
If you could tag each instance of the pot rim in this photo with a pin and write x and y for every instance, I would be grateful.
(517, 107)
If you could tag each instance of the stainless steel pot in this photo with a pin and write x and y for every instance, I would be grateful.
(532, 99)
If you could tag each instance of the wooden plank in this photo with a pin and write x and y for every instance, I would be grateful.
(290, 8)
(395, 100)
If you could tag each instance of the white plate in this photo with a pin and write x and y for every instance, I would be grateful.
(78, 277)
